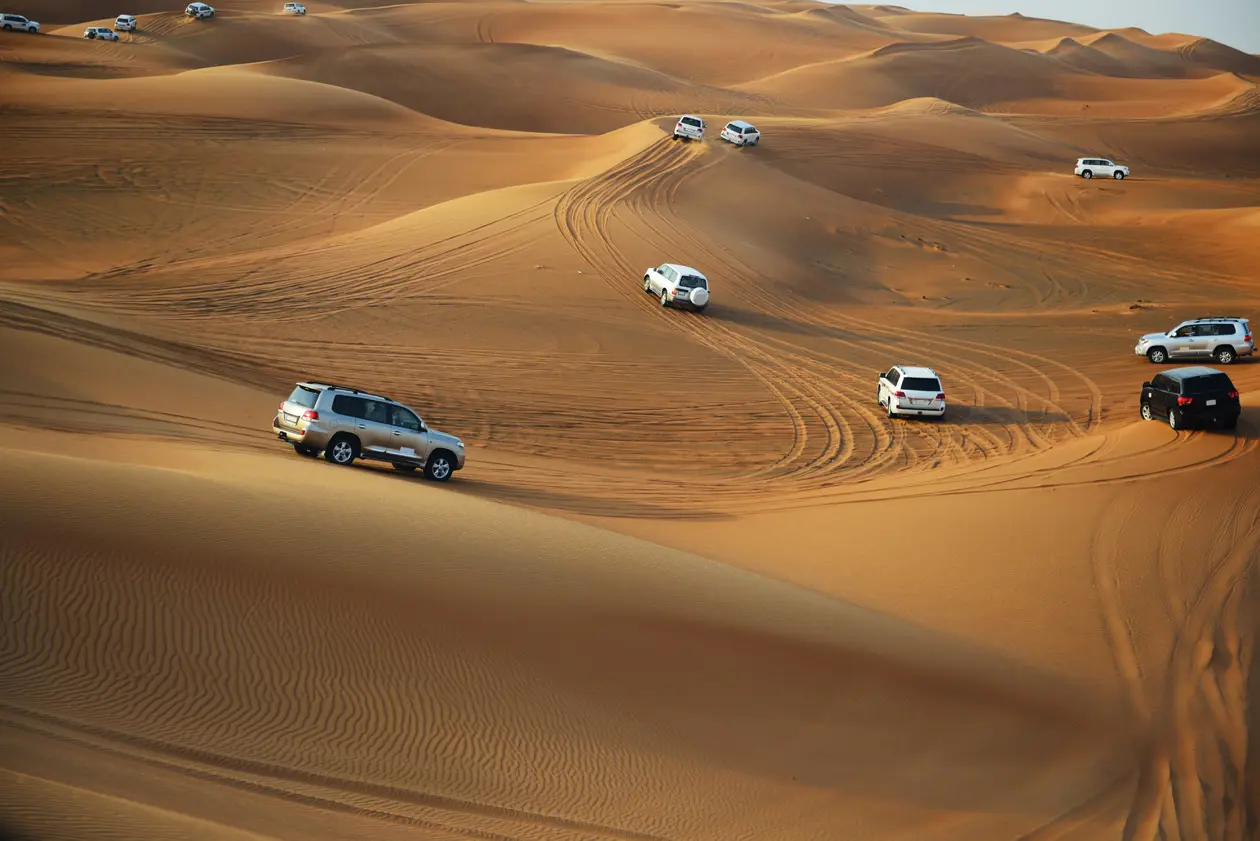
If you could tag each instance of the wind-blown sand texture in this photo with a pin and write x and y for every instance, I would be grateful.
(693, 584)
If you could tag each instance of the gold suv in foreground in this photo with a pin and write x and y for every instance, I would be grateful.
(346, 423)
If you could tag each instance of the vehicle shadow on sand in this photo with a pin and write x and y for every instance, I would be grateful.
(572, 503)
(1003, 416)
(776, 323)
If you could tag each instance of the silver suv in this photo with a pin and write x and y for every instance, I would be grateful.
(1221, 338)
(346, 423)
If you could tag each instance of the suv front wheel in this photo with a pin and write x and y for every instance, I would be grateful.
(1157, 355)
(440, 466)
(342, 450)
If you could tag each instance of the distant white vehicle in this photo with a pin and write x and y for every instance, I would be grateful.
(1089, 167)
(100, 33)
(910, 390)
(740, 133)
(11, 22)
(677, 286)
(199, 10)
(689, 127)
(125, 23)
(294, 9)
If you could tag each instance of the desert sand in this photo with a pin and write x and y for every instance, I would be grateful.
(692, 583)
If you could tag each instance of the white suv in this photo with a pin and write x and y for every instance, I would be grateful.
(689, 127)
(294, 9)
(740, 133)
(199, 10)
(1223, 339)
(910, 390)
(102, 33)
(10, 22)
(1089, 167)
(125, 23)
(677, 285)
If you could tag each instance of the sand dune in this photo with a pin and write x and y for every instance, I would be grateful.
(693, 584)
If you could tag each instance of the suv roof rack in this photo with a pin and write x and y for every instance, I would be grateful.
(1218, 318)
(350, 389)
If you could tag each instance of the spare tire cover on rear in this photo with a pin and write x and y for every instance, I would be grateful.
(699, 297)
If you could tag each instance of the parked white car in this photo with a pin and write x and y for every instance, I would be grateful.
(689, 127)
(100, 33)
(911, 390)
(11, 22)
(125, 23)
(1102, 167)
(294, 9)
(740, 133)
(199, 10)
(677, 286)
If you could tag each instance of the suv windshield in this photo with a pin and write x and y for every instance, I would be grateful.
(1208, 384)
(921, 384)
(304, 396)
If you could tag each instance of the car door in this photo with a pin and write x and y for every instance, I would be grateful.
(1151, 395)
(664, 277)
(1166, 391)
(888, 384)
(1179, 341)
(408, 439)
(373, 427)
(1200, 340)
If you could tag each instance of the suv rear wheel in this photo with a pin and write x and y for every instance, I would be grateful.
(1174, 419)
(306, 450)
(342, 450)
(1087, 174)
(1224, 355)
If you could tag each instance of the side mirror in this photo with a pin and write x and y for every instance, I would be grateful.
(1146, 385)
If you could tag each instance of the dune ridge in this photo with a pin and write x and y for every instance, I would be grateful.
(693, 584)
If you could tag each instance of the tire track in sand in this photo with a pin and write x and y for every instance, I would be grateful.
(1193, 774)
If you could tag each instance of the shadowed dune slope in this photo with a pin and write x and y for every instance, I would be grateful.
(693, 583)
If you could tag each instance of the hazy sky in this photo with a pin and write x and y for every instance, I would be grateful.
(1233, 22)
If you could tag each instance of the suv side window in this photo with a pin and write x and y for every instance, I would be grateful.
(1160, 383)
(1183, 332)
(344, 404)
(375, 411)
(403, 417)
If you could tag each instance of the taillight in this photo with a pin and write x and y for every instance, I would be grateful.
(899, 394)
(1233, 393)
(1247, 338)
(310, 415)
(1184, 401)
(940, 396)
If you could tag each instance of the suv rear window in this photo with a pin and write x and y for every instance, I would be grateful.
(921, 384)
(691, 121)
(304, 396)
(690, 281)
(1207, 384)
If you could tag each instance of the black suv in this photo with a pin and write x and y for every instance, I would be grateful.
(1191, 396)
